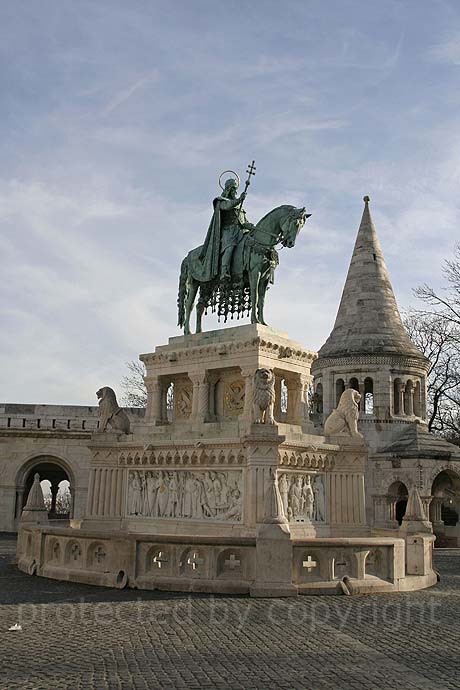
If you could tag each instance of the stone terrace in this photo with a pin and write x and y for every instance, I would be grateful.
(81, 637)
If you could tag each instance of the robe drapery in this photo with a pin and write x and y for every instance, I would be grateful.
(204, 261)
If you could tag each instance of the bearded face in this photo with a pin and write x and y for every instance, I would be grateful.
(231, 189)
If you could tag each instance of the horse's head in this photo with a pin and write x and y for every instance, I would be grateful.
(291, 226)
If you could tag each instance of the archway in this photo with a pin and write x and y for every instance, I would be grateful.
(56, 480)
(445, 508)
(398, 496)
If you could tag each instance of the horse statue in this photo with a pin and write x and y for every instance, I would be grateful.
(253, 264)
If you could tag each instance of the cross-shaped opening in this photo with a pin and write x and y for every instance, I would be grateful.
(232, 562)
(159, 559)
(99, 554)
(309, 564)
(76, 552)
(194, 560)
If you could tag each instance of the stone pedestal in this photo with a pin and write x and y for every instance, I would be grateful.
(200, 498)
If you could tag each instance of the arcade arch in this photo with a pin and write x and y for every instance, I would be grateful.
(54, 473)
(445, 504)
(398, 495)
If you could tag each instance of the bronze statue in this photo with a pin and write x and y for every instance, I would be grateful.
(236, 263)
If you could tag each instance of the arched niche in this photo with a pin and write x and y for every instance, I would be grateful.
(445, 506)
(398, 495)
(318, 399)
(58, 474)
(339, 389)
(368, 405)
(397, 397)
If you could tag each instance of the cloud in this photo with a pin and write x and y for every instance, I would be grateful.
(447, 51)
(125, 94)
(116, 125)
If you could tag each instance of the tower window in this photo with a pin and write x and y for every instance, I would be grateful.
(339, 389)
(368, 396)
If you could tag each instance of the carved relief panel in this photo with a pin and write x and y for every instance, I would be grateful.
(183, 393)
(234, 398)
(303, 496)
(183, 494)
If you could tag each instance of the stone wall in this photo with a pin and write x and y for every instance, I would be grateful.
(58, 435)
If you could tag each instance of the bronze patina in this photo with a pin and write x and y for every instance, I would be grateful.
(236, 263)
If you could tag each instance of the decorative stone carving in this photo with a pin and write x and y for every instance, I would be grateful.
(35, 509)
(303, 501)
(110, 412)
(263, 396)
(344, 419)
(274, 506)
(183, 401)
(414, 519)
(234, 398)
(183, 494)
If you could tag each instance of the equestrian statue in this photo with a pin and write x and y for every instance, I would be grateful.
(236, 263)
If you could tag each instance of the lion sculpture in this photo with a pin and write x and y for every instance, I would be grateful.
(110, 412)
(344, 419)
(263, 400)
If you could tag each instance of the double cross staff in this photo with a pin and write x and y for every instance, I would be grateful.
(251, 171)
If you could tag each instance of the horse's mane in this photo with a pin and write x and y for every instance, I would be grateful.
(278, 208)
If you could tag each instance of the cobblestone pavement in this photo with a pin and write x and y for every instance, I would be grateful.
(81, 637)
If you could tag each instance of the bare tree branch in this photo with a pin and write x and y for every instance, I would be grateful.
(133, 385)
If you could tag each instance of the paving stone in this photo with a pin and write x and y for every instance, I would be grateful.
(78, 637)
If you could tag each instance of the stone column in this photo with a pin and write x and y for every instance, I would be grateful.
(423, 397)
(248, 375)
(296, 408)
(410, 401)
(380, 509)
(306, 382)
(277, 409)
(72, 501)
(426, 500)
(362, 394)
(19, 500)
(436, 513)
(54, 493)
(392, 508)
(200, 396)
(212, 382)
(400, 393)
(153, 412)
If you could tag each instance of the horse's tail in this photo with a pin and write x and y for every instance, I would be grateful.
(182, 295)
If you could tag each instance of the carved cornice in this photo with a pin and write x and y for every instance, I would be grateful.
(299, 459)
(395, 360)
(45, 434)
(184, 456)
(193, 354)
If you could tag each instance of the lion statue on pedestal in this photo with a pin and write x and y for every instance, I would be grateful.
(344, 419)
(263, 399)
(110, 412)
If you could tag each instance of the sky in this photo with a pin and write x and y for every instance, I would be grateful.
(117, 117)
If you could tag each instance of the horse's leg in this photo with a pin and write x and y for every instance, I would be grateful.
(254, 278)
(199, 314)
(263, 283)
(193, 289)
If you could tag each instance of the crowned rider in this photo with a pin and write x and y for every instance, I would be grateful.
(227, 226)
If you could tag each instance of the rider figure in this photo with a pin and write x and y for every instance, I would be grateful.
(227, 225)
(233, 224)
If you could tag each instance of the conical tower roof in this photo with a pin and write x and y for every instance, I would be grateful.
(368, 320)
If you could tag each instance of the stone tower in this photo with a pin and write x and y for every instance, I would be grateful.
(370, 350)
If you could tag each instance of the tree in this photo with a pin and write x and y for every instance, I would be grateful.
(439, 341)
(436, 332)
(133, 385)
(135, 390)
(447, 304)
